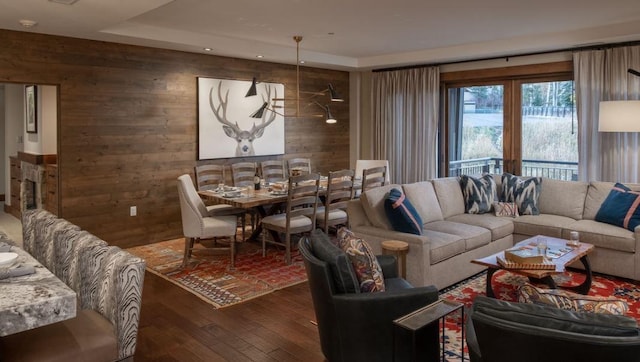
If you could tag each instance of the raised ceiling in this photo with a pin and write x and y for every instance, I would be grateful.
(338, 34)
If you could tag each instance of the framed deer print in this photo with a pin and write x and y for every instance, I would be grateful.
(225, 126)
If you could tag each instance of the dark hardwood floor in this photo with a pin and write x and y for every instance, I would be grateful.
(175, 325)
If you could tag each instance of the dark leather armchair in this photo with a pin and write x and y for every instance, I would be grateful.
(356, 326)
(504, 331)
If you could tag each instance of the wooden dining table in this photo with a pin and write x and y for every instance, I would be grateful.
(33, 300)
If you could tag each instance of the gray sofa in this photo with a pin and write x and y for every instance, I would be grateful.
(451, 238)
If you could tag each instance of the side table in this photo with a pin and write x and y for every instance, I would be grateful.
(416, 321)
(399, 249)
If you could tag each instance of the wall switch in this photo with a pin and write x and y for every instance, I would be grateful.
(133, 211)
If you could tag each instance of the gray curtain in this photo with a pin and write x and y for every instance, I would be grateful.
(405, 122)
(601, 75)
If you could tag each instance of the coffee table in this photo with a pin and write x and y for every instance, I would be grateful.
(579, 252)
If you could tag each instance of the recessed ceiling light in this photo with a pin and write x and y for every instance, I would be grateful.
(64, 2)
(207, 49)
(28, 23)
(259, 56)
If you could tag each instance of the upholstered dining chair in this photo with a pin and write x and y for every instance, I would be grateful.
(339, 192)
(272, 170)
(374, 177)
(243, 173)
(208, 177)
(299, 217)
(301, 164)
(197, 223)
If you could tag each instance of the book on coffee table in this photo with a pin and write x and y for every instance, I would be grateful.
(523, 255)
(545, 265)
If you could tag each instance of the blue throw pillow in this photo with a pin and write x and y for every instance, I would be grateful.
(621, 208)
(401, 214)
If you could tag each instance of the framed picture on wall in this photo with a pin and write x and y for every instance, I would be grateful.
(31, 108)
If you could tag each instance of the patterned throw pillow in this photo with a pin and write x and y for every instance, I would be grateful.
(479, 193)
(528, 293)
(368, 270)
(621, 208)
(401, 213)
(506, 209)
(525, 192)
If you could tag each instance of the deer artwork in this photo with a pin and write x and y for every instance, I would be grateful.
(244, 138)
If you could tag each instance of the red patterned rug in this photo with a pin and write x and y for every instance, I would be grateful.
(210, 277)
(505, 287)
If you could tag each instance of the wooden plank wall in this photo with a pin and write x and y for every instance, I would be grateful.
(128, 124)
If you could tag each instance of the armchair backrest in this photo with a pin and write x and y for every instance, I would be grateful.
(192, 207)
(506, 331)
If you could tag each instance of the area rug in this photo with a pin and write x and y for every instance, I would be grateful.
(505, 286)
(210, 277)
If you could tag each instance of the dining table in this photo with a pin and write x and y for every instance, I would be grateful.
(33, 300)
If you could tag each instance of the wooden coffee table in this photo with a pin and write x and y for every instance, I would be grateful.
(577, 253)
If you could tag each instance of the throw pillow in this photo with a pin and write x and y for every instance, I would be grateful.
(365, 264)
(525, 192)
(506, 209)
(621, 208)
(401, 213)
(479, 193)
(528, 293)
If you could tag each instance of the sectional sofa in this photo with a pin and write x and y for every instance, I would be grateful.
(452, 238)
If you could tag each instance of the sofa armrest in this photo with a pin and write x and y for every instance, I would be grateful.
(389, 265)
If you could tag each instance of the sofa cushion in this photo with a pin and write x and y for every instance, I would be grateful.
(443, 246)
(479, 193)
(597, 192)
(603, 235)
(449, 196)
(344, 277)
(525, 192)
(528, 293)
(545, 224)
(424, 200)
(505, 209)
(499, 227)
(401, 213)
(556, 319)
(474, 236)
(621, 208)
(365, 263)
(564, 198)
(373, 205)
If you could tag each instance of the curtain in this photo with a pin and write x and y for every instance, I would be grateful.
(601, 75)
(405, 122)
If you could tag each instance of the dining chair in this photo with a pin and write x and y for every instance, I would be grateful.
(299, 215)
(339, 192)
(243, 173)
(302, 164)
(272, 170)
(209, 177)
(373, 177)
(198, 224)
(362, 164)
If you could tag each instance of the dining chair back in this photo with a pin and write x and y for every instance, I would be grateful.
(208, 177)
(373, 177)
(197, 223)
(299, 166)
(339, 192)
(363, 164)
(243, 173)
(272, 170)
(299, 215)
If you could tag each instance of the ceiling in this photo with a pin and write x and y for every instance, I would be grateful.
(338, 34)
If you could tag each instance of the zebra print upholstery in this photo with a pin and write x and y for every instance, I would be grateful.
(29, 218)
(68, 243)
(111, 284)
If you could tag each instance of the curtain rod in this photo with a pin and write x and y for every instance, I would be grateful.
(583, 48)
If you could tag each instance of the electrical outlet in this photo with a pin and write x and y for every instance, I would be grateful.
(133, 211)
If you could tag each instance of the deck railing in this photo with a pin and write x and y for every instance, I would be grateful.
(561, 170)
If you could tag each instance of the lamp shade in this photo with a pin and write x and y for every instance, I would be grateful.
(619, 116)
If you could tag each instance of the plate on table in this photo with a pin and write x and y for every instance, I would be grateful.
(8, 258)
(231, 194)
(278, 193)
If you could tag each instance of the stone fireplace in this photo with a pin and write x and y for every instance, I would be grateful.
(32, 188)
